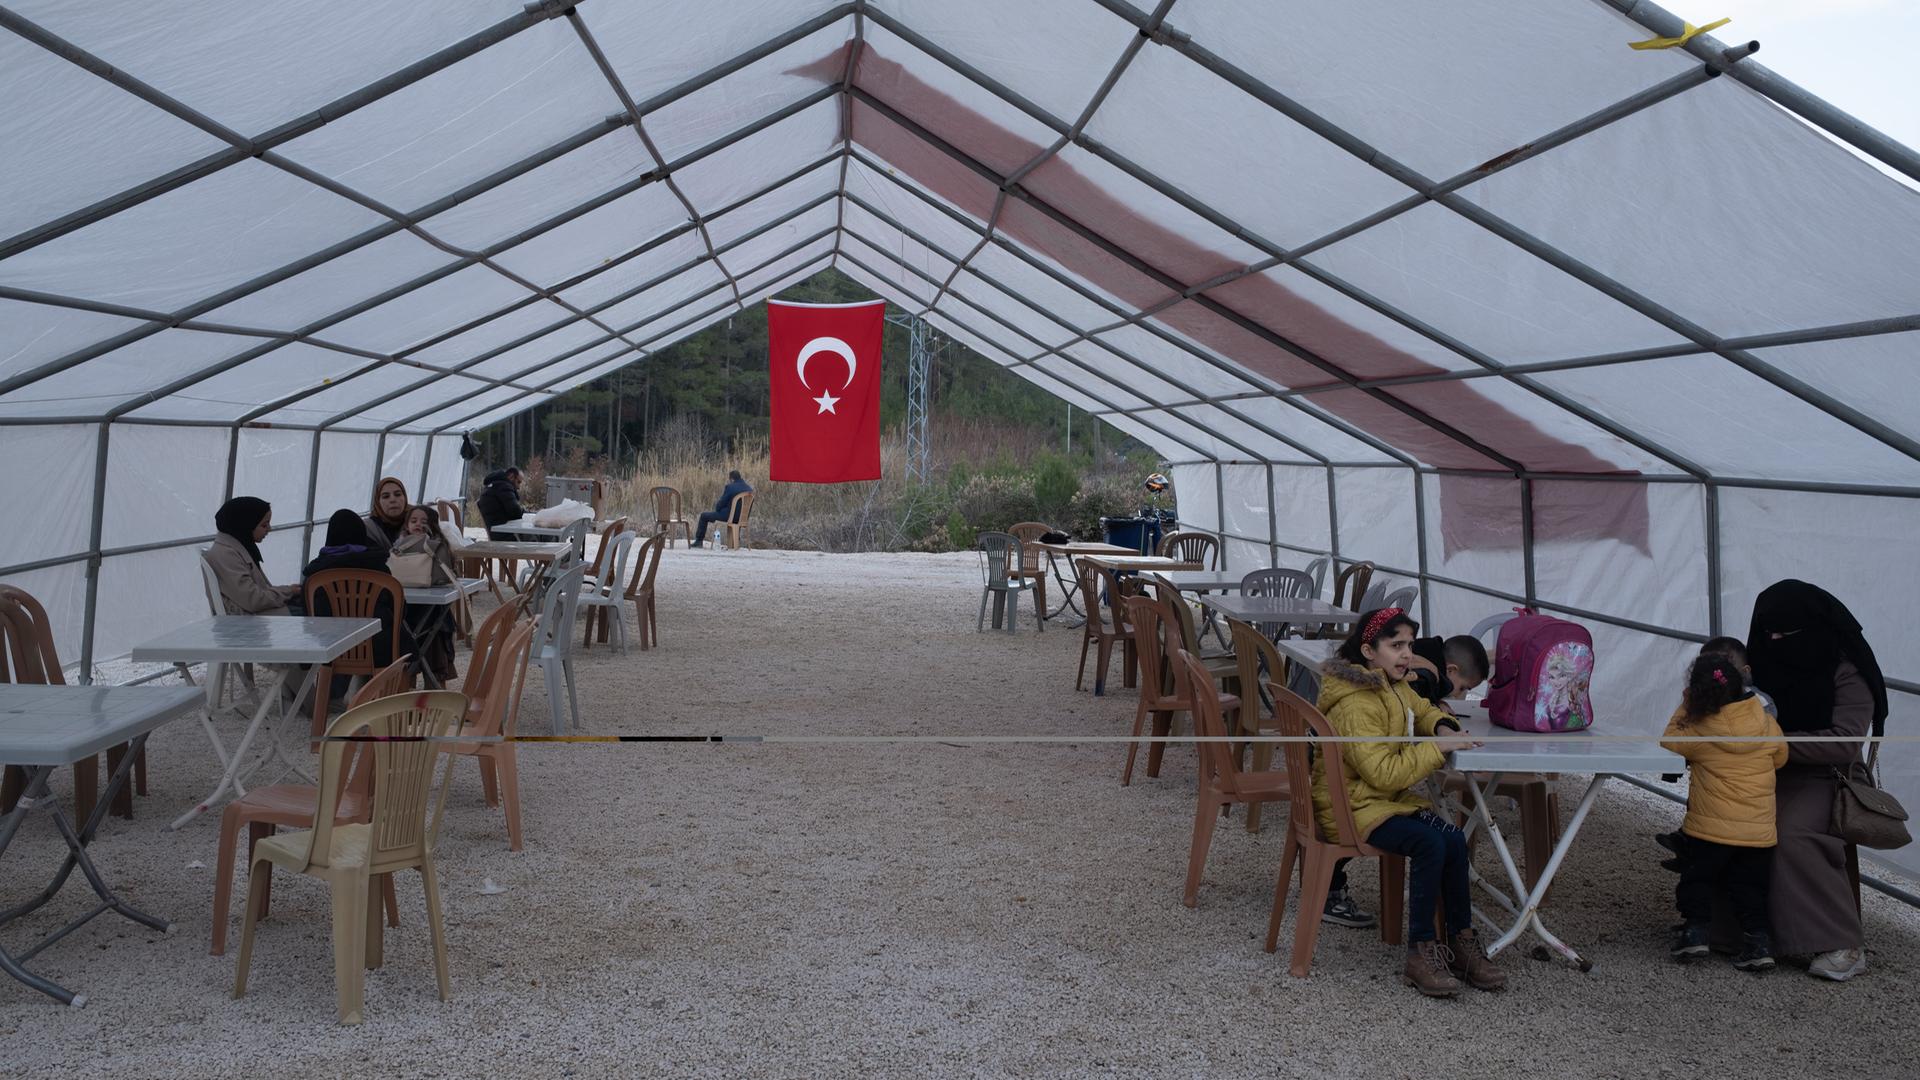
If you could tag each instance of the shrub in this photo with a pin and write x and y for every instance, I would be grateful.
(1055, 482)
(960, 535)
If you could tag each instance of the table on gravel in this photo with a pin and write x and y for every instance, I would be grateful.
(1133, 562)
(1279, 610)
(1069, 583)
(441, 599)
(542, 553)
(1506, 752)
(45, 727)
(281, 641)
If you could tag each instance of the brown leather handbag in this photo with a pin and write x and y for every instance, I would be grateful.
(1863, 812)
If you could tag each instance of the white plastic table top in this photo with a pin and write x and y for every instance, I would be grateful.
(433, 595)
(258, 639)
(525, 527)
(1204, 580)
(1155, 563)
(1266, 609)
(1586, 752)
(531, 550)
(1311, 652)
(59, 725)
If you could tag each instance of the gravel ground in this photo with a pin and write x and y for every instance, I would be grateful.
(882, 908)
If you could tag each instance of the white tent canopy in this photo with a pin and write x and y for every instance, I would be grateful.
(1472, 290)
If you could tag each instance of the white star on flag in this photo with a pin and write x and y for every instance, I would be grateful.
(827, 401)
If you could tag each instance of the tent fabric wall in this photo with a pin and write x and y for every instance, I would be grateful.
(1619, 333)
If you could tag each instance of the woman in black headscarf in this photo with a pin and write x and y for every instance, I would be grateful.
(235, 558)
(349, 548)
(1808, 654)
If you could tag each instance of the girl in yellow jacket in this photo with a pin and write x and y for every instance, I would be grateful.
(1730, 817)
(1364, 693)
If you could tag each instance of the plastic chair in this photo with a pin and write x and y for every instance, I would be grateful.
(263, 809)
(352, 594)
(640, 590)
(613, 529)
(396, 836)
(1157, 632)
(1222, 782)
(1402, 598)
(667, 516)
(1106, 624)
(555, 640)
(1316, 855)
(1282, 583)
(732, 529)
(1349, 589)
(1257, 660)
(218, 674)
(488, 640)
(1317, 570)
(1194, 547)
(1492, 622)
(499, 763)
(30, 658)
(1376, 597)
(1031, 559)
(601, 595)
(1001, 582)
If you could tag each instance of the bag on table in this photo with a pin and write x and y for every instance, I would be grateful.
(1541, 670)
(1864, 814)
(563, 513)
(411, 571)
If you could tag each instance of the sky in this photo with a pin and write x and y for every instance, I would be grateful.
(1860, 55)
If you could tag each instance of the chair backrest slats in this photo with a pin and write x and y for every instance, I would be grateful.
(557, 611)
(1298, 719)
(1193, 684)
(648, 564)
(356, 594)
(999, 557)
(666, 504)
(1194, 547)
(30, 649)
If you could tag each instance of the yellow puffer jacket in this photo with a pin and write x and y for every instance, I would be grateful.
(1730, 800)
(1362, 702)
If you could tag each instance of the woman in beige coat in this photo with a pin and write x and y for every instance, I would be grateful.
(235, 558)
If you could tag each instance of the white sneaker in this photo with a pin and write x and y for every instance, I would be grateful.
(1838, 965)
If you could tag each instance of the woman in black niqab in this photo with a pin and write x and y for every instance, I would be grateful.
(1799, 635)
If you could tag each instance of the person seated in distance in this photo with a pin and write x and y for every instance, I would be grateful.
(723, 507)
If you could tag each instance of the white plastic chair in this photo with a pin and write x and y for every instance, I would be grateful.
(1318, 569)
(1492, 622)
(1402, 598)
(605, 591)
(217, 673)
(553, 649)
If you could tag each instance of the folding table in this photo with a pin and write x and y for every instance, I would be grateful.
(1581, 752)
(255, 639)
(441, 598)
(45, 727)
(1070, 585)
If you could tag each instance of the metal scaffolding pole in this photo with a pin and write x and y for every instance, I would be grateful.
(920, 350)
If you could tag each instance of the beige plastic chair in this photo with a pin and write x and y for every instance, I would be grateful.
(733, 527)
(1032, 559)
(499, 765)
(1193, 547)
(667, 518)
(263, 810)
(355, 858)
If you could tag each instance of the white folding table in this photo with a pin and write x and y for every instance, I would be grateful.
(45, 727)
(1505, 752)
(255, 639)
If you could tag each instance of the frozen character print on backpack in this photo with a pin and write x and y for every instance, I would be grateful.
(1569, 671)
(1542, 669)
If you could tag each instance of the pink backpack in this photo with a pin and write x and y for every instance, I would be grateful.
(1541, 669)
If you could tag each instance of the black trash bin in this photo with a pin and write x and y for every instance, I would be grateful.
(1142, 534)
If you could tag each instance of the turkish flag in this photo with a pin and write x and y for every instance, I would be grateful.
(823, 378)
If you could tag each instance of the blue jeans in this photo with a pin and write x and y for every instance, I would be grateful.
(707, 517)
(1437, 853)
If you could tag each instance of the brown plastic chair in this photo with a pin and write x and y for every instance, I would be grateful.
(1222, 781)
(1032, 560)
(1349, 588)
(487, 643)
(353, 858)
(1193, 547)
(640, 588)
(733, 527)
(667, 517)
(264, 809)
(30, 658)
(499, 766)
(1315, 854)
(1257, 660)
(351, 594)
(1162, 694)
(1106, 624)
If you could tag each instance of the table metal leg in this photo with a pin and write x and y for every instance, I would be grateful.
(1527, 915)
(37, 798)
(233, 770)
(1069, 591)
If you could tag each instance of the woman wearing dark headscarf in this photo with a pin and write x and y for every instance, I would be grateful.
(386, 520)
(348, 548)
(235, 558)
(1808, 654)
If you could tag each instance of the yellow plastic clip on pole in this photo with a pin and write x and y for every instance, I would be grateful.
(1686, 35)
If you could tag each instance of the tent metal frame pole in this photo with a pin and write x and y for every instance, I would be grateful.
(1219, 490)
(855, 49)
(240, 147)
(674, 333)
(667, 335)
(125, 549)
(642, 347)
(1225, 367)
(1152, 27)
(313, 485)
(93, 556)
(1219, 364)
(1784, 92)
(1273, 519)
(1074, 361)
(1527, 571)
(1333, 528)
(1091, 395)
(1716, 618)
(1420, 541)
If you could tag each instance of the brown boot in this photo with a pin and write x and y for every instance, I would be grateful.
(1426, 970)
(1470, 962)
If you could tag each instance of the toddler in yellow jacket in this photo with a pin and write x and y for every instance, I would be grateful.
(1730, 816)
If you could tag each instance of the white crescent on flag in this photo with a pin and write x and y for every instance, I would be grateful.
(818, 345)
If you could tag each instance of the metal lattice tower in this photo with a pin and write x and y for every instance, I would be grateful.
(920, 349)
